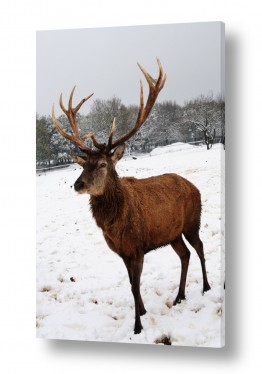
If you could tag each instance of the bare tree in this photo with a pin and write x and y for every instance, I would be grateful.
(102, 114)
(221, 110)
(203, 114)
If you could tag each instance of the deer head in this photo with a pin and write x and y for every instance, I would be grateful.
(99, 169)
(99, 164)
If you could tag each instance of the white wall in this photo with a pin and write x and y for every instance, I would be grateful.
(20, 351)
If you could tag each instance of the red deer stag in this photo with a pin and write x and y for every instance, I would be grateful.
(137, 215)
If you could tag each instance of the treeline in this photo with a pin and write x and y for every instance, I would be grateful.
(198, 120)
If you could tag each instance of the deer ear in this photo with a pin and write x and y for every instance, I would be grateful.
(79, 160)
(118, 153)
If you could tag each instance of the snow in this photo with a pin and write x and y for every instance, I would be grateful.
(83, 290)
(174, 147)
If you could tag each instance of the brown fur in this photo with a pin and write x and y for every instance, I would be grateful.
(139, 215)
(144, 214)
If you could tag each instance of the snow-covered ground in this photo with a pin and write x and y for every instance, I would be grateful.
(83, 291)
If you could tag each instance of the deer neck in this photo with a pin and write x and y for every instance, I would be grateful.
(107, 208)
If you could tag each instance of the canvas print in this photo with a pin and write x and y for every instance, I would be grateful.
(130, 149)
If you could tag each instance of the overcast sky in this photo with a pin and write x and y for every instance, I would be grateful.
(103, 61)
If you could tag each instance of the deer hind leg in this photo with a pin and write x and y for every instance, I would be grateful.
(184, 254)
(194, 240)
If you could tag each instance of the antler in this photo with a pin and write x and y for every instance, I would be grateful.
(155, 86)
(71, 115)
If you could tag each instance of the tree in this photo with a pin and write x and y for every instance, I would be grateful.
(221, 109)
(160, 127)
(200, 118)
(51, 147)
(61, 149)
(101, 116)
(43, 137)
(203, 113)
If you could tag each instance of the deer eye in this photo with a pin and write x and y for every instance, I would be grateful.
(102, 165)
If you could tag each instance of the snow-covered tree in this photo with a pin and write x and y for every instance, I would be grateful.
(43, 137)
(202, 118)
(203, 112)
(101, 116)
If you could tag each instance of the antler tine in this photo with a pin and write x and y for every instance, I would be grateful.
(71, 99)
(90, 135)
(71, 115)
(155, 86)
(62, 105)
(112, 131)
(151, 81)
(162, 75)
(141, 107)
(72, 138)
(76, 109)
(71, 112)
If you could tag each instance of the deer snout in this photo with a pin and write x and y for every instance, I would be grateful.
(79, 185)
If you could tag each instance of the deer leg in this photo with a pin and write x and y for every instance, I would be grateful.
(184, 254)
(195, 241)
(136, 266)
(127, 262)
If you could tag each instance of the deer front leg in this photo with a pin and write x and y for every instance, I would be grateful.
(127, 262)
(136, 267)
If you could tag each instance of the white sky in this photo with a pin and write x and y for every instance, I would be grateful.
(103, 61)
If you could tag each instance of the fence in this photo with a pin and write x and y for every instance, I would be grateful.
(52, 168)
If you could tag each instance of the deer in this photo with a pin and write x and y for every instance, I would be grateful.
(136, 215)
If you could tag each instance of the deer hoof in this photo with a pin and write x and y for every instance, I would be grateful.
(206, 288)
(178, 299)
(138, 329)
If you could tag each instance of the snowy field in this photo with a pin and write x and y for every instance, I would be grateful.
(83, 291)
